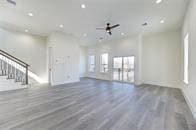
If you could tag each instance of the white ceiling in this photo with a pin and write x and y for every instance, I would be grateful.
(130, 14)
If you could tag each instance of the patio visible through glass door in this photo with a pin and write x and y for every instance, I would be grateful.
(123, 69)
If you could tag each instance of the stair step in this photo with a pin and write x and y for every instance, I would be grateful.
(17, 81)
(7, 85)
(10, 78)
(3, 75)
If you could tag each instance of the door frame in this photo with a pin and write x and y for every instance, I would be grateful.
(50, 64)
(122, 69)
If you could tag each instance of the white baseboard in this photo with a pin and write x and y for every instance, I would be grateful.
(72, 80)
(170, 85)
(191, 106)
(99, 78)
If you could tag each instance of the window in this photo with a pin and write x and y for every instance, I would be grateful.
(186, 59)
(92, 63)
(104, 63)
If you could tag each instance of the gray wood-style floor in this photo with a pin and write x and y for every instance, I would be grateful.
(95, 105)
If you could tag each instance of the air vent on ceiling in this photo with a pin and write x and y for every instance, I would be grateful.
(11, 2)
(144, 24)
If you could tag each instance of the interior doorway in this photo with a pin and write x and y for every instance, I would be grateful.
(123, 69)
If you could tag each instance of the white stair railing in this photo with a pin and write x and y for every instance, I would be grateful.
(13, 68)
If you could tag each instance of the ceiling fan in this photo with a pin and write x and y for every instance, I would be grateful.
(109, 28)
(11, 2)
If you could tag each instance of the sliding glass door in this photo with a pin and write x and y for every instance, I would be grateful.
(123, 69)
(117, 68)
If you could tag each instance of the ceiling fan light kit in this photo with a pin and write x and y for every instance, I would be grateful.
(109, 28)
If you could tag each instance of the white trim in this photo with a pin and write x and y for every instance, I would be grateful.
(89, 63)
(162, 84)
(71, 80)
(191, 106)
(186, 59)
(101, 64)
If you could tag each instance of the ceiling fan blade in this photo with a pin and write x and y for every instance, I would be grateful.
(11, 2)
(112, 27)
(100, 28)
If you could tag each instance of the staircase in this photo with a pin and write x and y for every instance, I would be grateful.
(13, 69)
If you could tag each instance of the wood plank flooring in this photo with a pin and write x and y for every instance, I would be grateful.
(95, 105)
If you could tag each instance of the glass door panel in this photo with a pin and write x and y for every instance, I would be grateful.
(117, 68)
(128, 69)
(123, 69)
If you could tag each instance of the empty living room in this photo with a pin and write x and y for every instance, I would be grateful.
(97, 64)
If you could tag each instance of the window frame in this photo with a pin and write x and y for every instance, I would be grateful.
(90, 64)
(102, 65)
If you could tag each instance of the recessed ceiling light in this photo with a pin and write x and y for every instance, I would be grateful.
(84, 34)
(162, 21)
(122, 34)
(30, 14)
(158, 1)
(26, 30)
(83, 6)
(100, 40)
(61, 26)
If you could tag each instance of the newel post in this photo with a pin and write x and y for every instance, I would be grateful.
(27, 75)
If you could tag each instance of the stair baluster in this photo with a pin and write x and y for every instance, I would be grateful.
(13, 68)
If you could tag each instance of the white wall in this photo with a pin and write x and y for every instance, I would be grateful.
(190, 28)
(83, 59)
(158, 57)
(65, 58)
(29, 48)
(161, 59)
(123, 47)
